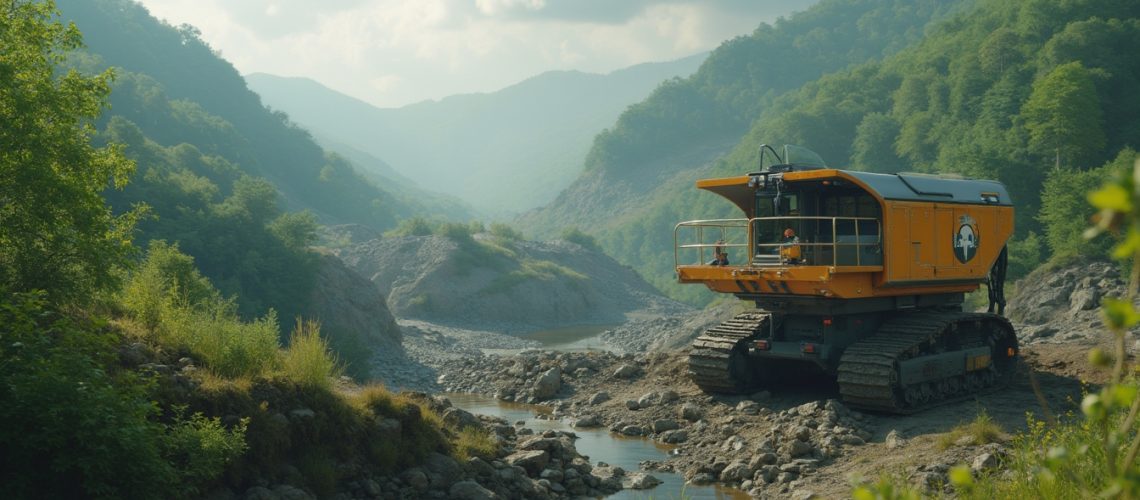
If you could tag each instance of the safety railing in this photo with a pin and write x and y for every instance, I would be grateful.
(780, 241)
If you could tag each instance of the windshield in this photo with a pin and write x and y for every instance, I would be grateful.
(790, 155)
(802, 157)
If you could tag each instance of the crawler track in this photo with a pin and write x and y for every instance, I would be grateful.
(868, 371)
(718, 362)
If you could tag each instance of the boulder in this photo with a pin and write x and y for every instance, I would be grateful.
(470, 490)
(534, 461)
(640, 481)
(691, 412)
(985, 462)
(736, 471)
(599, 398)
(674, 437)
(627, 371)
(548, 384)
(586, 421)
(665, 424)
(894, 440)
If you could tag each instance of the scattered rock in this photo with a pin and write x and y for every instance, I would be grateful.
(691, 412)
(548, 384)
(894, 440)
(627, 371)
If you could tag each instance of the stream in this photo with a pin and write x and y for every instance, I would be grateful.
(601, 446)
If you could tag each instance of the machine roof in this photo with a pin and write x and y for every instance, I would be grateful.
(905, 187)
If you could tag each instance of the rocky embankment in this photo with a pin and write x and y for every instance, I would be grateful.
(1062, 304)
(789, 444)
(506, 286)
(531, 465)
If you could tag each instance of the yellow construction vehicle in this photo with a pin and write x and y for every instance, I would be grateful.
(857, 275)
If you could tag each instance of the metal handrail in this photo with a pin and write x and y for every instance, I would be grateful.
(748, 225)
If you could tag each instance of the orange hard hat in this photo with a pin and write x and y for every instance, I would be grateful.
(788, 233)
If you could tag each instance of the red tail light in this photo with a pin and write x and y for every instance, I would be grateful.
(762, 345)
(807, 348)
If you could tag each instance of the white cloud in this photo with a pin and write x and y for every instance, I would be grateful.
(394, 52)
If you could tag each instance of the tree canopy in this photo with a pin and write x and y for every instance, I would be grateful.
(56, 232)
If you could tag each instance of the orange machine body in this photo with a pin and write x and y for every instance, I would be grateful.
(863, 235)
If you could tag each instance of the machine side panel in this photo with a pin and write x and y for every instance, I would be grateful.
(934, 242)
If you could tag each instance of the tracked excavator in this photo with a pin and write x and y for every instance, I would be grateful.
(859, 276)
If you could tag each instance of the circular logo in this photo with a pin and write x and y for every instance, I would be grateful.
(965, 243)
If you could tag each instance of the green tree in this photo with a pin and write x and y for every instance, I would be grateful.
(1063, 114)
(56, 232)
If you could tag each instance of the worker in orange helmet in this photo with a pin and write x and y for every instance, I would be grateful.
(790, 236)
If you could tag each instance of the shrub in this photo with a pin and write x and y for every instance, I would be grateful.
(199, 449)
(164, 274)
(226, 345)
(982, 430)
(67, 427)
(575, 235)
(505, 232)
(475, 442)
(308, 361)
(415, 226)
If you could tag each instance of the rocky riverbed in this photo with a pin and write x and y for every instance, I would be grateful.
(790, 441)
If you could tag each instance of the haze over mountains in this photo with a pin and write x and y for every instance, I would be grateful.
(502, 152)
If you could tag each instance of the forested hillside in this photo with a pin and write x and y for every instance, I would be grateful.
(503, 152)
(1034, 94)
(222, 176)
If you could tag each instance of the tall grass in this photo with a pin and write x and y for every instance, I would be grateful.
(308, 361)
(226, 345)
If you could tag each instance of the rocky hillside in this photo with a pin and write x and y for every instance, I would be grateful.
(512, 286)
(1061, 304)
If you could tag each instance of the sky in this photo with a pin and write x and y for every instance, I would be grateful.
(396, 52)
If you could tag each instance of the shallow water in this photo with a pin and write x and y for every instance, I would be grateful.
(570, 338)
(601, 446)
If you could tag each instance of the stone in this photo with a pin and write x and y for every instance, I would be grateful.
(674, 437)
(797, 448)
(445, 467)
(534, 461)
(633, 430)
(748, 407)
(554, 475)
(479, 467)
(1084, 299)
(894, 440)
(647, 400)
(807, 409)
(691, 412)
(802, 433)
(548, 384)
(460, 418)
(702, 479)
(762, 459)
(665, 424)
(852, 440)
(627, 371)
(669, 396)
(470, 490)
(786, 477)
(586, 421)
(985, 462)
(640, 481)
(416, 479)
(804, 495)
(735, 472)
(599, 398)
(632, 404)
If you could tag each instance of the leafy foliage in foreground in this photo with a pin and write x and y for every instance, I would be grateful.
(56, 232)
(72, 425)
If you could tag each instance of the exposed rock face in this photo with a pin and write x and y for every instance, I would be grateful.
(516, 285)
(1063, 304)
(350, 309)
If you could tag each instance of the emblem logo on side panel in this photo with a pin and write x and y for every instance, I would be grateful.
(966, 239)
